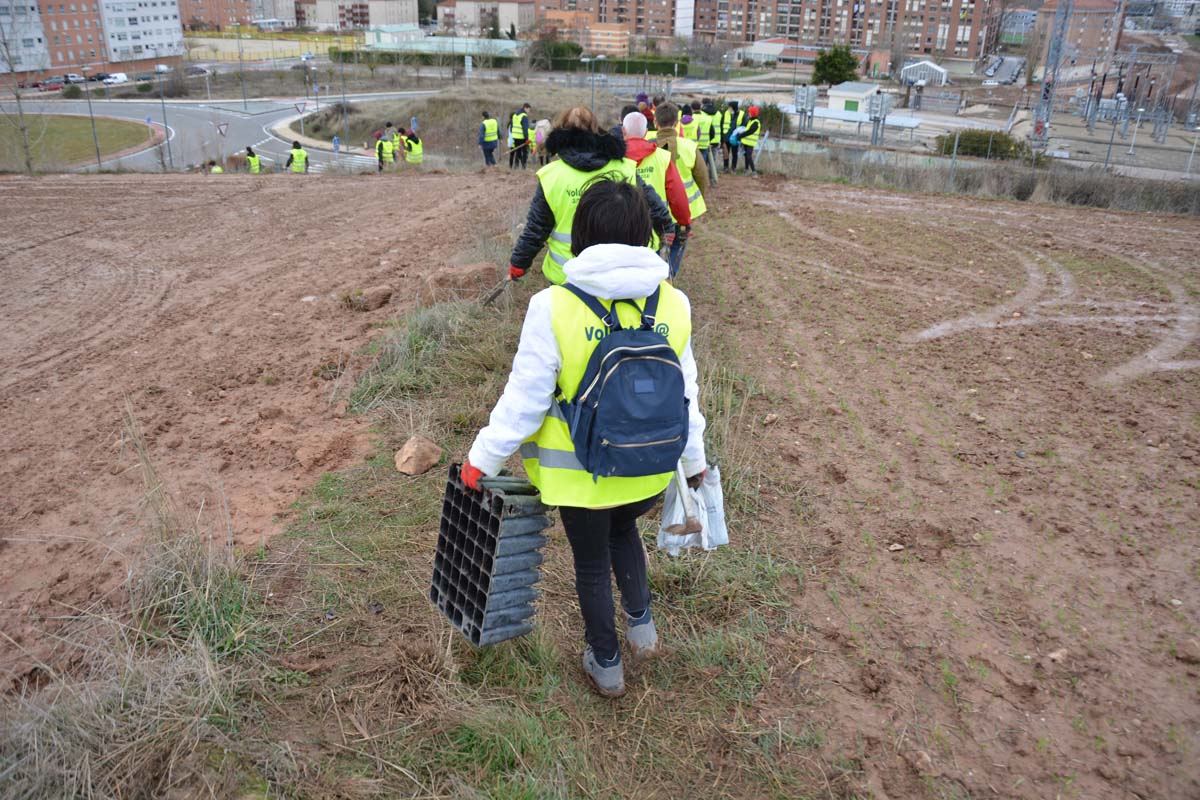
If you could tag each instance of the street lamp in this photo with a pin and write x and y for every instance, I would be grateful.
(591, 62)
(88, 94)
(163, 101)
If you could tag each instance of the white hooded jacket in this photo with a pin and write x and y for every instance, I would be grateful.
(607, 271)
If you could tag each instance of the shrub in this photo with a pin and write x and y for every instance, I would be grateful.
(72, 92)
(772, 116)
(984, 144)
(145, 88)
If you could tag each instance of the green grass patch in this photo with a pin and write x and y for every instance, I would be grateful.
(59, 142)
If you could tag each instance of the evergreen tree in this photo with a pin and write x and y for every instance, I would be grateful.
(835, 65)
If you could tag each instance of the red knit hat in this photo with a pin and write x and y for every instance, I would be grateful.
(753, 111)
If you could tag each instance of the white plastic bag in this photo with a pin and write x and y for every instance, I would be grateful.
(710, 510)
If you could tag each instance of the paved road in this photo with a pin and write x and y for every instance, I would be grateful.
(194, 135)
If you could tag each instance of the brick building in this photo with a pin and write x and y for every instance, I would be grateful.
(1093, 30)
(215, 14)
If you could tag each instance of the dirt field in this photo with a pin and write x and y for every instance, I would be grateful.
(971, 457)
(214, 311)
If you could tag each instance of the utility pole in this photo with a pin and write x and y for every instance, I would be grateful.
(241, 67)
(88, 94)
(1040, 136)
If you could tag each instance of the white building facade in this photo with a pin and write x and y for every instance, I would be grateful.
(141, 29)
(392, 12)
(22, 38)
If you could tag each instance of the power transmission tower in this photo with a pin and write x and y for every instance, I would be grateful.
(1045, 107)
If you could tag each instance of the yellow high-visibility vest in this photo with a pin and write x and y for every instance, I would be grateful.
(299, 159)
(703, 129)
(414, 151)
(653, 170)
(255, 164)
(517, 125)
(562, 186)
(688, 151)
(491, 130)
(384, 151)
(688, 129)
(549, 454)
(753, 128)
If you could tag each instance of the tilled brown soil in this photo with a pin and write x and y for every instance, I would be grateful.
(987, 421)
(211, 307)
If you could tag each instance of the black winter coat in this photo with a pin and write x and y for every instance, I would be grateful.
(588, 152)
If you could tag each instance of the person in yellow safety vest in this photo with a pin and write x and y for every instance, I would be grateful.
(731, 120)
(656, 168)
(253, 162)
(214, 168)
(413, 149)
(714, 139)
(749, 139)
(397, 144)
(519, 131)
(384, 152)
(599, 514)
(692, 171)
(297, 159)
(584, 155)
(689, 125)
(489, 139)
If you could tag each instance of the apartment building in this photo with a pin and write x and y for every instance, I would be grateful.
(392, 12)
(282, 10)
(23, 45)
(341, 15)
(142, 29)
(1093, 30)
(475, 17)
(74, 33)
(734, 20)
(606, 38)
(215, 14)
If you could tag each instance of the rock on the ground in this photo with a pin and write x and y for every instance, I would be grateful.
(457, 283)
(376, 297)
(418, 456)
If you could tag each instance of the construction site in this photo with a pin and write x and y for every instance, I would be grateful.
(958, 438)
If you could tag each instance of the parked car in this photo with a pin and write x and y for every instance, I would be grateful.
(307, 57)
(161, 69)
(98, 76)
(52, 85)
(195, 71)
(74, 77)
(143, 76)
(116, 78)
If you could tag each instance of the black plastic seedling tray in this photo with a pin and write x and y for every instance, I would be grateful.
(489, 558)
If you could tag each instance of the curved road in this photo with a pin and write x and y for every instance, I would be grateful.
(194, 135)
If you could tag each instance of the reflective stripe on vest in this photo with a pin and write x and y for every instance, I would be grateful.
(653, 170)
(414, 151)
(549, 454)
(750, 137)
(491, 130)
(562, 186)
(299, 160)
(517, 126)
(254, 164)
(703, 130)
(686, 161)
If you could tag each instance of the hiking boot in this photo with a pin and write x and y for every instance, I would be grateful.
(606, 676)
(642, 636)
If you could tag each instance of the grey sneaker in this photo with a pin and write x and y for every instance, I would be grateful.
(642, 636)
(608, 681)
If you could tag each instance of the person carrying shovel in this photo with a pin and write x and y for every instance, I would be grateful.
(616, 313)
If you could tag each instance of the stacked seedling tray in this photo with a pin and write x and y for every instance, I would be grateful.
(489, 558)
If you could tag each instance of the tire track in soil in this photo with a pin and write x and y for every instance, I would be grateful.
(953, 604)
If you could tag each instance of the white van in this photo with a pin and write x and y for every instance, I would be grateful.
(161, 69)
(116, 78)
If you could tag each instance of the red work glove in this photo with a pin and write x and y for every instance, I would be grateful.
(669, 239)
(697, 479)
(515, 273)
(471, 476)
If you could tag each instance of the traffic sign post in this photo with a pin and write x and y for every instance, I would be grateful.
(300, 109)
(222, 128)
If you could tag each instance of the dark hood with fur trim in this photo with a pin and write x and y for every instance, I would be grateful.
(584, 150)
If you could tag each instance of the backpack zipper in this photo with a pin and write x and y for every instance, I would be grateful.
(608, 374)
(600, 372)
(607, 443)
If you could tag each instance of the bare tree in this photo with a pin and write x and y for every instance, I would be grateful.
(23, 26)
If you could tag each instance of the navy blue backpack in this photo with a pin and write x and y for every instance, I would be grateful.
(629, 418)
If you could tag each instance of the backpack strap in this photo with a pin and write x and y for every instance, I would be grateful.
(607, 317)
(650, 309)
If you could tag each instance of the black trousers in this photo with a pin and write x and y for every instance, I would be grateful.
(748, 154)
(733, 150)
(519, 154)
(606, 542)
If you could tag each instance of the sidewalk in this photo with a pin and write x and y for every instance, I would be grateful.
(283, 130)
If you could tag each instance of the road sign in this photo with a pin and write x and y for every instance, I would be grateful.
(468, 64)
(300, 108)
(222, 127)
(149, 120)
